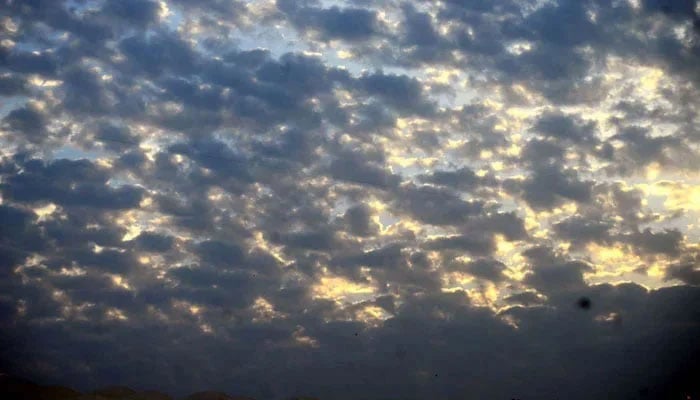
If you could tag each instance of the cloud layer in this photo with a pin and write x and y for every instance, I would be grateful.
(352, 199)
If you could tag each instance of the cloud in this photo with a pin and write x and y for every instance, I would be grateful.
(116, 138)
(666, 242)
(154, 242)
(549, 186)
(358, 220)
(352, 166)
(11, 85)
(672, 7)
(564, 128)
(471, 243)
(462, 179)
(436, 206)
(219, 253)
(552, 274)
(157, 54)
(350, 199)
(27, 122)
(69, 183)
(352, 24)
(525, 298)
(486, 269)
(687, 273)
(140, 13)
(26, 62)
(580, 230)
(402, 93)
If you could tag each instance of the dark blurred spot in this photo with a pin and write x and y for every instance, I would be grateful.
(436, 375)
(584, 303)
(355, 333)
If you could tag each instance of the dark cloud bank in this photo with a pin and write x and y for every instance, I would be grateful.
(206, 196)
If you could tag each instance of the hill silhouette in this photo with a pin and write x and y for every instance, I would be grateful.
(14, 388)
(210, 395)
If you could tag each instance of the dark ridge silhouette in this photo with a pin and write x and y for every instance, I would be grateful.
(150, 395)
(681, 385)
(304, 398)
(114, 392)
(211, 395)
(12, 388)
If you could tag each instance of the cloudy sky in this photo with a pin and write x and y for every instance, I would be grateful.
(351, 199)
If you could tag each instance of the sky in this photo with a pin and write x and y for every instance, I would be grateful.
(352, 199)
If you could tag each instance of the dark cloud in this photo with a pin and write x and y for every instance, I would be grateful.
(436, 206)
(549, 186)
(508, 224)
(137, 12)
(359, 222)
(563, 127)
(292, 189)
(11, 85)
(476, 244)
(461, 179)
(220, 254)
(310, 240)
(446, 319)
(151, 241)
(60, 18)
(84, 92)
(543, 153)
(106, 260)
(491, 270)
(672, 7)
(401, 92)
(553, 274)
(29, 63)
(640, 149)
(581, 230)
(157, 54)
(390, 256)
(28, 122)
(351, 24)
(525, 298)
(216, 156)
(668, 242)
(69, 183)
(116, 138)
(18, 237)
(419, 29)
(356, 167)
(686, 271)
